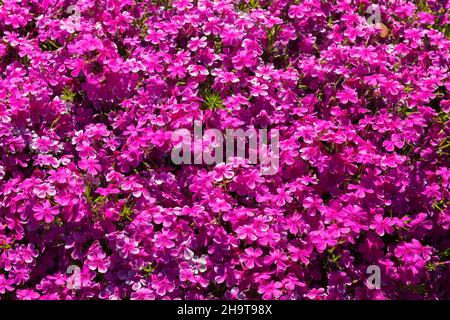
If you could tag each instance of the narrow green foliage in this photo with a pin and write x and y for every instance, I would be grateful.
(49, 45)
(148, 270)
(167, 4)
(444, 146)
(272, 35)
(68, 95)
(254, 4)
(246, 7)
(211, 100)
(440, 205)
(422, 6)
(142, 25)
(5, 245)
(126, 212)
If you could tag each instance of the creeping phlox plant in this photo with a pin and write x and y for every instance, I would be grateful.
(92, 91)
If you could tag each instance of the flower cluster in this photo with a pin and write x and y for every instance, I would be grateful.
(91, 92)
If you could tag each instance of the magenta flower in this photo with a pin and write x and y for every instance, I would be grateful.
(29, 253)
(316, 294)
(162, 286)
(250, 258)
(411, 252)
(91, 165)
(127, 247)
(195, 70)
(177, 70)
(382, 225)
(94, 102)
(313, 205)
(219, 205)
(271, 290)
(45, 211)
(347, 95)
(164, 239)
(197, 43)
(246, 232)
(27, 294)
(97, 260)
(222, 171)
(5, 284)
(282, 197)
(43, 190)
(278, 258)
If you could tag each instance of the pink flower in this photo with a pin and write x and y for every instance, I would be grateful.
(278, 258)
(253, 178)
(197, 43)
(155, 36)
(27, 294)
(298, 254)
(219, 205)
(322, 240)
(246, 232)
(91, 165)
(195, 70)
(347, 95)
(29, 253)
(163, 286)
(97, 260)
(43, 190)
(182, 4)
(222, 171)
(315, 294)
(271, 290)
(164, 239)
(177, 70)
(250, 258)
(5, 284)
(382, 225)
(360, 190)
(259, 89)
(412, 252)
(395, 141)
(282, 197)
(127, 247)
(44, 211)
(391, 86)
(90, 43)
(313, 204)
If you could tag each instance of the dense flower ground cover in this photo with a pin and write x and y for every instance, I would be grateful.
(89, 97)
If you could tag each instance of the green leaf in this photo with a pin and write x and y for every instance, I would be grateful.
(49, 45)
(68, 95)
(5, 245)
(211, 100)
(126, 212)
(148, 270)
